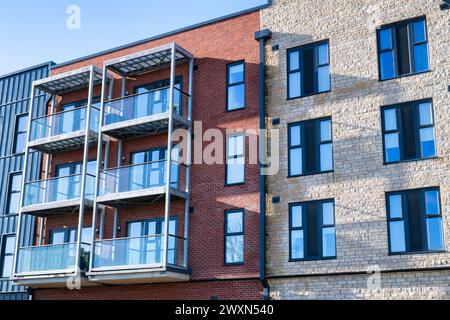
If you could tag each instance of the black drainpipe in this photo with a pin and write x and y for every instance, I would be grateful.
(262, 36)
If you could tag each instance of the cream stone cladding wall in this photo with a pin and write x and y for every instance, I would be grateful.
(432, 285)
(360, 180)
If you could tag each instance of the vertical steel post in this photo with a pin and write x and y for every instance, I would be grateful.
(106, 163)
(46, 171)
(169, 155)
(84, 171)
(188, 166)
(24, 178)
(119, 162)
(98, 166)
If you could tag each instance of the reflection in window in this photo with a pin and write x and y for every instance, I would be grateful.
(234, 237)
(415, 221)
(308, 70)
(403, 49)
(7, 256)
(235, 167)
(310, 147)
(236, 86)
(408, 131)
(13, 202)
(20, 134)
(312, 230)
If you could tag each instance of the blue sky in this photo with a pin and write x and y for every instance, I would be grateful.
(32, 32)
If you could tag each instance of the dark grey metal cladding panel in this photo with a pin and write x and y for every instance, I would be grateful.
(15, 90)
(7, 286)
(8, 223)
(15, 297)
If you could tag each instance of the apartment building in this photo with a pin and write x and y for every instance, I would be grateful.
(359, 91)
(14, 109)
(120, 214)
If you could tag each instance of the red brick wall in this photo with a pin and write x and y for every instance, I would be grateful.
(214, 46)
(223, 290)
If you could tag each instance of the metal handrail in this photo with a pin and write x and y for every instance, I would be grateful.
(62, 112)
(141, 164)
(53, 245)
(141, 237)
(57, 178)
(135, 95)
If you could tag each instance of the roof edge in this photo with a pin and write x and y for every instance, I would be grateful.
(166, 34)
(48, 64)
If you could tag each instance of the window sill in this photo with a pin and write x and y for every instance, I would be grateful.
(234, 110)
(313, 259)
(234, 184)
(237, 264)
(416, 253)
(309, 95)
(309, 174)
(405, 75)
(410, 160)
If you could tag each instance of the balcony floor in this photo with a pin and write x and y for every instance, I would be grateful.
(63, 143)
(52, 281)
(139, 197)
(145, 126)
(139, 276)
(55, 208)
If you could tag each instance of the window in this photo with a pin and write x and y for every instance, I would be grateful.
(73, 116)
(20, 134)
(415, 221)
(149, 168)
(69, 184)
(312, 230)
(408, 131)
(146, 240)
(7, 255)
(13, 203)
(234, 237)
(403, 49)
(310, 147)
(236, 86)
(69, 235)
(235, 168)
(153, 98)
(308, 70)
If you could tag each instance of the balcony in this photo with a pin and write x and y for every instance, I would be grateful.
(50, 266)
(144, 114)
(141, 183)
(139, 260)
(64, 131)
(56, 196)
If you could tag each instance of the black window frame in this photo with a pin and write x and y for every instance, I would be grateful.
(3, 238)
(227, 157)
(144, 230)
(393, 27)
(229, 85)
(21, 133)
(300, 49)
(304, 227)
(318, 141)
(417, 127)
(8, 193)
(233, 234)
(66, 232)
(163, 151)
(163, 83)
(405, 219)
